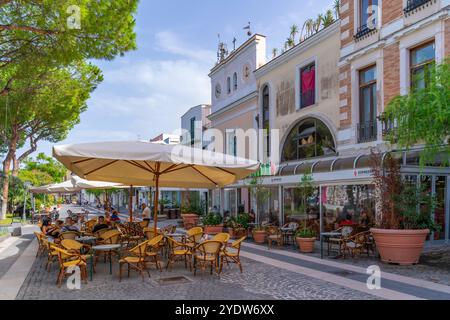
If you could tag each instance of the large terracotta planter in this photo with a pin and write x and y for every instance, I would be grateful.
(213, 229)
(259, 236)
(306, 245)
(403, 247)
(190, 220)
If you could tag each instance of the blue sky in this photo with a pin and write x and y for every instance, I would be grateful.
(146, 91)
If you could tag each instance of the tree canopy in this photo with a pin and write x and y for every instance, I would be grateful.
(423, 116)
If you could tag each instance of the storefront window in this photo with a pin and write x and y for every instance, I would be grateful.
(355, 203)
(295, 211)
(269, 207)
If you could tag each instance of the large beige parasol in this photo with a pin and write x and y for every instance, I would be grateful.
(149, 164)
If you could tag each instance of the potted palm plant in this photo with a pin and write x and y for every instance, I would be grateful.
(212, 223)
(404, 220)
(305, 239)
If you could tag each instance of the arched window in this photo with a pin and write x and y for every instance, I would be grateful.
(310, 138)
(228, 85)
(235, 81)
(266, 118)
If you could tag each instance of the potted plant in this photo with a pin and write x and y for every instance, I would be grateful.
(190, 216)
(259, 234)
(240, 227)
(212, 223)
(305, 238)
(404, 220)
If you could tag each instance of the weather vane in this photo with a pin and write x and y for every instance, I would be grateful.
(249, 32)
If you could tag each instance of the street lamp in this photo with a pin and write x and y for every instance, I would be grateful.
(27, 185)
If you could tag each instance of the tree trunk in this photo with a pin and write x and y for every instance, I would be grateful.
(10, 156)
(6, 170)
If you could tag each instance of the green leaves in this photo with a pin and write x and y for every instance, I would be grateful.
(423, 117)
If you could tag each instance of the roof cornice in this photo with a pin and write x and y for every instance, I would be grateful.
(298, 49)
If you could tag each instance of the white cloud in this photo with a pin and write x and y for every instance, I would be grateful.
(168, 41)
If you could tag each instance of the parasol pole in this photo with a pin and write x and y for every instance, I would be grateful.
(130, 204)
(155, 214)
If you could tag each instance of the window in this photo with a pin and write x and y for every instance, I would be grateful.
(422, 58)
(266, 118)
(308, 85)
(192, 131)
(228, 85)
(231, 143)
(367, 127)
(235, 81)
(310, 138)
(367, 16)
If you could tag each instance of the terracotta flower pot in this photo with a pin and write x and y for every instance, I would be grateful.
(400, 246)
(190, 220)
(213, 229)
(306, 245)
(259, 236)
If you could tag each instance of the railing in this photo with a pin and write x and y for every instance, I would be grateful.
(388, 126)
(412, 5)
(367, 131)
(363, 31)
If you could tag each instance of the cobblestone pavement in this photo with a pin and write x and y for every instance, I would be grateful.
(259, 281)
(434, 264)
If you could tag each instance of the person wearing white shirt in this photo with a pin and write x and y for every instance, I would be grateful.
(145, 212)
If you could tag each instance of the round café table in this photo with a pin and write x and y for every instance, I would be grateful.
(104, 247)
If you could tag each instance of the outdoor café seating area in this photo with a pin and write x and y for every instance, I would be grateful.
(132, 249)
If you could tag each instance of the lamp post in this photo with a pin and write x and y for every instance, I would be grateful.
(27, 185)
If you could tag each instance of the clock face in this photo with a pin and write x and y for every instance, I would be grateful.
(218, 90)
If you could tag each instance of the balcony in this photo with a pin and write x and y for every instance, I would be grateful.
(388, 127)
(413, 6)
(363, 32)
(367, 131)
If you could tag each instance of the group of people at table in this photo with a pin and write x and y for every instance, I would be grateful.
(135, 244)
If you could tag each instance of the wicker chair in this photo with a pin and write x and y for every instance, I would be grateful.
(232, 253)
(274, 234)
(135, 260)
(356, 244)
(153, 251)
(207, 253)
(178, 251)
(67, 260)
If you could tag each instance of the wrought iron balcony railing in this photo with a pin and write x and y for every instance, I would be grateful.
(413, 5)
(367, 131)
(363, 32)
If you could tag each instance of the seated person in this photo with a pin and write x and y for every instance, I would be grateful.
(115, 216)
(346, 222)
(69, 226)
(364, 220)
(100, 225)
(55, 230)
(107, 218)
(46, 224)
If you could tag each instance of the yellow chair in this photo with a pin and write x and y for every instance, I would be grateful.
(52, 255)
(41, 246)
(194, 236)
(207, 253)
(67, 260)
(68, 235)
(222, 237)
(232, 253)
(177, 251)
(153, 250)
(150, 233)
(101, 232)
(135, 260)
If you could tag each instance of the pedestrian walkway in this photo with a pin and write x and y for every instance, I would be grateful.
(393, 286)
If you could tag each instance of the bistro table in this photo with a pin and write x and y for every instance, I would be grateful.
(104, 247)
(86, 239)
(327, 235)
